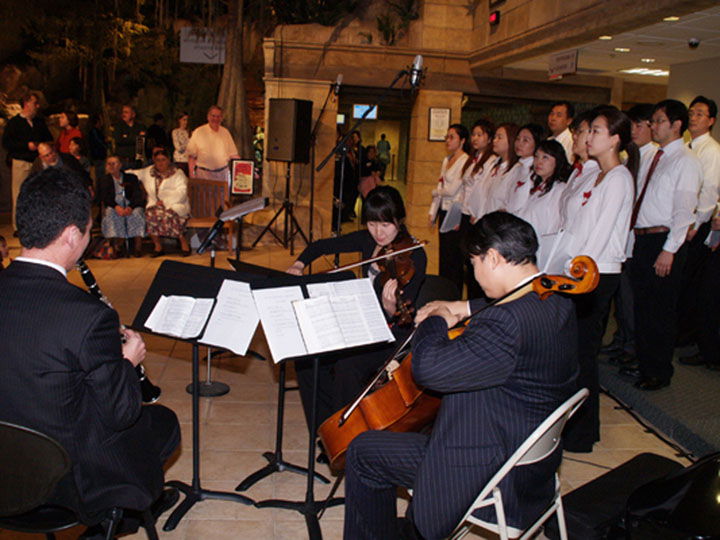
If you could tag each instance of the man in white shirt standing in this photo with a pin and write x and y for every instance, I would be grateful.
(702, 115)
(622, 347)
(211, 148)
(663, 212)
(559, 120)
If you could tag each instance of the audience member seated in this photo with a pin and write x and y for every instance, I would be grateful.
(77, 150)
(123, 205)
(168, 206)
(49, 157)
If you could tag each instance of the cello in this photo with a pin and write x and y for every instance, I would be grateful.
(399, 404)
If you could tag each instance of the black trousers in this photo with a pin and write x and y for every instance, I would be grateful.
(655, 306)
(452, 260)
(377, 463)
(691, 292)
(709, 310)
(583, 429)
(624, 337)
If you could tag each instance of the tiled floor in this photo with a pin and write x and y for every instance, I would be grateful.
(238, 427)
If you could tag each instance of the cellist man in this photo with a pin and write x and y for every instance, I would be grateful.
(513, 365)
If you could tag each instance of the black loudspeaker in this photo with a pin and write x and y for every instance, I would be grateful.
(290, 121)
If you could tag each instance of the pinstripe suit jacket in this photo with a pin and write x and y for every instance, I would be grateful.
(514, 364)
(62, 372)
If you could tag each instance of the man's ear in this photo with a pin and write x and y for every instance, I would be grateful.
(495, 257)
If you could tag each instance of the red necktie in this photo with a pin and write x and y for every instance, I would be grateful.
(638, 203)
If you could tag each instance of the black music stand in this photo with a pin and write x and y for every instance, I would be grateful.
(176, 278)
(308, 507)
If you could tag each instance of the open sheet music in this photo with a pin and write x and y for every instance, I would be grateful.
(231, 317)
(338, 315)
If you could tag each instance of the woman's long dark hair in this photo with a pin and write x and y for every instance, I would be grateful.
(463, 133)
(488, 128)
(619, 124)
(511, 130)
(562, 166)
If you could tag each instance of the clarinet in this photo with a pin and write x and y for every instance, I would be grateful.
(150, 392)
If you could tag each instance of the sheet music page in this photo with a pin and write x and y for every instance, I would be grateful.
(197, 317)
(172, 314)
(318, 325)
(234, 319)
(354, 329)
(156, 315)
(369, 306)
(278, 319)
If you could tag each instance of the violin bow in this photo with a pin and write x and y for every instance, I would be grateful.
(378, 258)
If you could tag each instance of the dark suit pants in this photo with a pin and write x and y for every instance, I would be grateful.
(624, 336)
(655, 306)
(691, 292)
(709, 309)
(451, 259)
(592, 311)
(377, 463)
(163, 423)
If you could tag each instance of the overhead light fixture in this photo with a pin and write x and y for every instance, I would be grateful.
(647, 60)
(622, 49)
(672, 18)
(605, 38)
(646, 71)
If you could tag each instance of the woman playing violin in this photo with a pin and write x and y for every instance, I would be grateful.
(383, 214)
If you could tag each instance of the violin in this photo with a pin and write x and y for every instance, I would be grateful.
(399, 404)
(398, 266)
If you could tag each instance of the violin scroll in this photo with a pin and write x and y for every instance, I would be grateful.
(584, 278)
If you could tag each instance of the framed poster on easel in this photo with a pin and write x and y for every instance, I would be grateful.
(242, 172)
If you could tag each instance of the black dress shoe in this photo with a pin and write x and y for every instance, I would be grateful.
(694, 360)
(156, 254)
(713, 367)
(186, 252)
(651, 383)
(630, 372)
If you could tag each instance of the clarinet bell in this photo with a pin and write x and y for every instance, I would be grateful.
(150, 392)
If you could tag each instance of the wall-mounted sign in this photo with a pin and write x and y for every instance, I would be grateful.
(202, 45)
(564, 63)
(438, 123)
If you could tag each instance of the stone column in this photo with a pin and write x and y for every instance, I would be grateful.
(274, 172)
(424, 161)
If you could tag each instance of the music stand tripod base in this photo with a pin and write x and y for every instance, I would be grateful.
(210, 389)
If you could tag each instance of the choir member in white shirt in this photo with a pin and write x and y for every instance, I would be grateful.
(599, 229)
(447, 194)
(542, 209)
(559, 120)
(701, 115)
(663, 212)
(621, 349)
(475, 174)
(500, 181)
(518, 182)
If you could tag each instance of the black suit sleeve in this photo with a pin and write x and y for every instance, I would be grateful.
(483, 356)
(110, 378)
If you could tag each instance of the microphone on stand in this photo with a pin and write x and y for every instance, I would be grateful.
(416, 72)
(336, 86)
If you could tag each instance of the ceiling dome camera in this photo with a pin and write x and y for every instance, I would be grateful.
(693, 43)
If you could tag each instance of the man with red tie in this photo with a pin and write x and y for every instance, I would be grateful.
(664, 210)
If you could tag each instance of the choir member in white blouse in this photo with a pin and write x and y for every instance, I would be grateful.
(542, 208)
(519, 182)
(447, 194)
(498, 181)
(599, 229)
(585, 171)
(475, 174)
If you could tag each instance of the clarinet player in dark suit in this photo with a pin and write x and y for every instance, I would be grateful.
(514, 364)
(64, 370)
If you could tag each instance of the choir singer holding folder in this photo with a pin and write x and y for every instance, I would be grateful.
(342, 377)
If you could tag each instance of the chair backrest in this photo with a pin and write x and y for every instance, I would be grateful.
(436, 288)
(31, 465)
(206, 196)
(542, 441)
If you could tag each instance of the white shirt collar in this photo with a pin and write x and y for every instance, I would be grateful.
(701, 138)
(669, 147)
(43, 262)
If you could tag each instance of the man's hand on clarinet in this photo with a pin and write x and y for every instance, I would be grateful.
(134, 347)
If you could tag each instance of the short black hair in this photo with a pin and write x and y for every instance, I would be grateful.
(569, 107)
(675, 110)
(49, 202)
(384, 203)
(642, 112)
(711, 105)
(585, 116)
(512, 237)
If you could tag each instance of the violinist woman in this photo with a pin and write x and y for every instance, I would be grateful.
(342, 378)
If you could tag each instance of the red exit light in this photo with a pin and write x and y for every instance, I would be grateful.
(494, 18)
